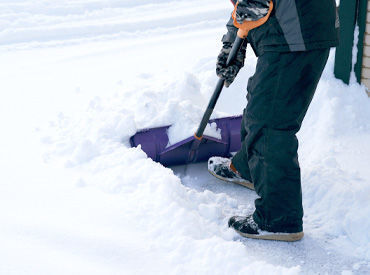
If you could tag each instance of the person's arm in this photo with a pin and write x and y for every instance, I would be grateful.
(250, 10)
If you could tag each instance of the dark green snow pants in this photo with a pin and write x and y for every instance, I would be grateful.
(279, 94)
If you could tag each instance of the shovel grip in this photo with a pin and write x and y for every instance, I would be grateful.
(216, 94)
(244, 28)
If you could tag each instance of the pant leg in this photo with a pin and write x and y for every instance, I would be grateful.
(279, 94)
(240, 160)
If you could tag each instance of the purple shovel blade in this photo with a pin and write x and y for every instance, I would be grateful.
(154, 142)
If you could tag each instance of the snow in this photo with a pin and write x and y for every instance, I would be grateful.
(78, 78)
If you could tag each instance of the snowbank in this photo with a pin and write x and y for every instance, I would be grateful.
(334, 157)
(184, 230)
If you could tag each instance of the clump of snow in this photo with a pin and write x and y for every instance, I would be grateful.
(212, 130)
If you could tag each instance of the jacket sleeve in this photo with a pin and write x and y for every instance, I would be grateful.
(230, 36)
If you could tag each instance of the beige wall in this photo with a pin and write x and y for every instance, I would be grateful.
(365, 78)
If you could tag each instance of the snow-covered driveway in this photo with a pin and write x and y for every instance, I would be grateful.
(79, 77)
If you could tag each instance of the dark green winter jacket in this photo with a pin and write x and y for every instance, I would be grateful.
(294, 25)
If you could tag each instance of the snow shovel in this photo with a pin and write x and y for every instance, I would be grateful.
(200, 147)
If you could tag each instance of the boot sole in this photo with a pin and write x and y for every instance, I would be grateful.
(284, 237)
(245, 184)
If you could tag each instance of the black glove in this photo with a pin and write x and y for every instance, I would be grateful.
(229, 72)
(251, 10)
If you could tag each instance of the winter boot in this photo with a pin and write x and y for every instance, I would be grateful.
(247, 227)
(223, 169)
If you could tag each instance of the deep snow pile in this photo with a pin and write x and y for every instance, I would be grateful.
(81, 78)
(334, 157)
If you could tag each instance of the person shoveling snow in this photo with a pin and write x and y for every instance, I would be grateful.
(292, 40)
(292, 49)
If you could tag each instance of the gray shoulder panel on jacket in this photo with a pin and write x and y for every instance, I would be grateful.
(287, 16)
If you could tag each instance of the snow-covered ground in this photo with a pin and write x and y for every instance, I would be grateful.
(79, 77)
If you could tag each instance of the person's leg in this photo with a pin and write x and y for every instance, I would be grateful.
(279, 94)
(240, 160)
(233, 170)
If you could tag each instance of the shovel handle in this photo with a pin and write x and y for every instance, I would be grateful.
(220, 84)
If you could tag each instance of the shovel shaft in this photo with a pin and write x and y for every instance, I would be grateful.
(216, 94)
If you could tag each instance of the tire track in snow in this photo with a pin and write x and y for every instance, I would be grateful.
(24, 24)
